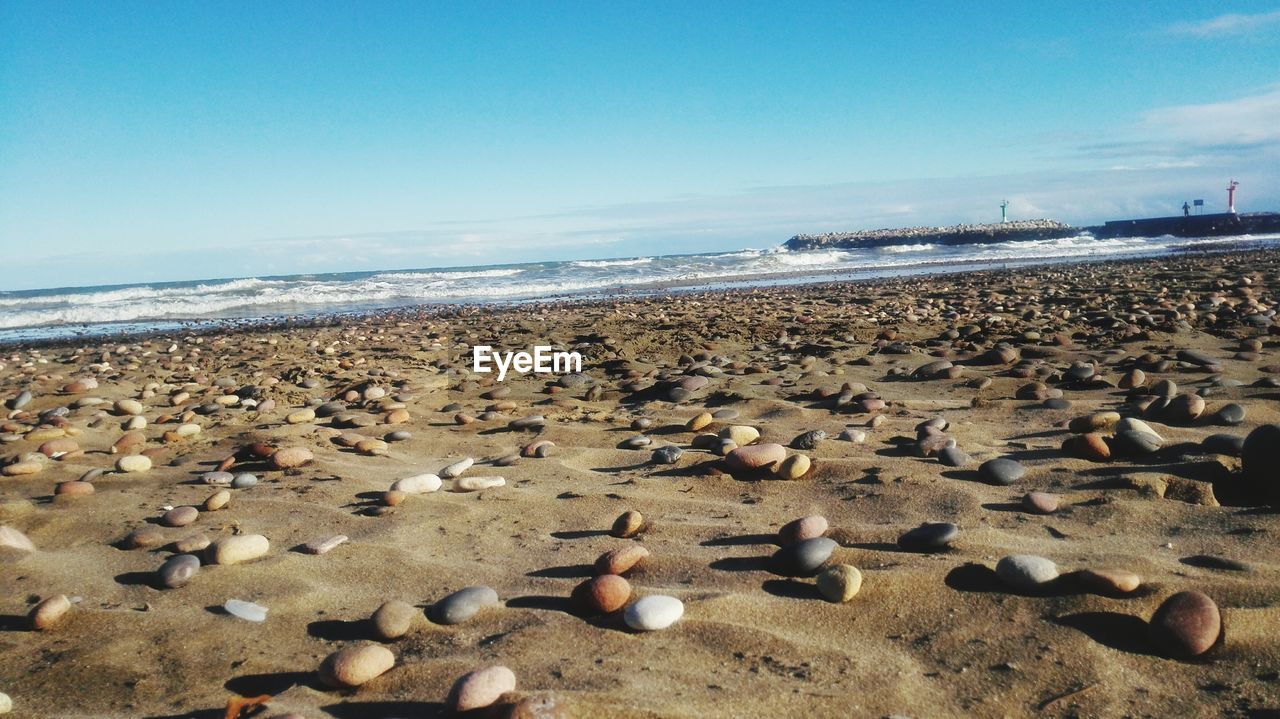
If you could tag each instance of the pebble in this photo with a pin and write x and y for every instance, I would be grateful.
(13, 540)
(1186, 408)
(217, 500)
(1186, 625)
(244, 480)
(371, 446)
(178, 570)
(1002, 471)
(355, 665)
(621, 559)
(1137, 442)
(628, 524)
(1040, 502)
(291, 457)
(417, 484)
(133, 463)
(248, 611)
(325, 545)
(1230, 415)
(740, 434)
(840, 583)
(476, 484)
(239, 548)
(1108, 581)
(1090, 446)
(653, 613)
(27, 468)
(128, 407)
(481, 688)
(755, 457)
(1228, 444)
(1260, 456)
(73, 489)
(603, 594)
(798, 530)
(532, 422)
(793, 467)
(1026, 571)
(144, 538)
(700, 421)
(217, 479)
(856, 436)
(301, 416)
(6, 703)
(47, 613)
(637, 442)
(457, 468)
(803, 558)
(953, 457)
(194, 543)
(668, 454)
(808, 440)
(463, 605)
(393, 619)
(180, 516)
(929, 536)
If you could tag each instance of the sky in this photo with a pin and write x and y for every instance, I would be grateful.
(144, 141)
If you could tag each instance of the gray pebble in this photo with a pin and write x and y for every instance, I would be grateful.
(803, 558)
(463, 605)
(178, 570)
(1002, 470)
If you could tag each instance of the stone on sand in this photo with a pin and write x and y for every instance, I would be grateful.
(653, 613)
(480, 688)
(353, 666)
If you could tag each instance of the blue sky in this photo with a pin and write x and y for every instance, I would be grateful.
(178, 140)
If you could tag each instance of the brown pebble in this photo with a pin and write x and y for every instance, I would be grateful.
(1108, 581)
(74, 489)
(1187, 624)
(393, 498)
(618, 561)
(1089, 446)
(393, 619)
(797, 530)
(755, 457)
(47, 613)
(628, 524)
(481, 688)
(355, 665)
(1040, 502)
(602, 595)
(144, 538)
(180, 516)
(291, 457)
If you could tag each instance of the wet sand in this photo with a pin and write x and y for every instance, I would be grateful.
(928, 634)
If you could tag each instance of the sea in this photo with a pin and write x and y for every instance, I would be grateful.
(121, 310)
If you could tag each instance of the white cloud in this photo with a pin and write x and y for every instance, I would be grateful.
(1249, 120)
(1229, 25)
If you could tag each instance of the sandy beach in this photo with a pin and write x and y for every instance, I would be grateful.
(1120, 393)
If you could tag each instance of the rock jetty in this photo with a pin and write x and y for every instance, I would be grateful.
(953, 235)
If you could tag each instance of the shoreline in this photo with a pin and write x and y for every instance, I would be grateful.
(746, 282)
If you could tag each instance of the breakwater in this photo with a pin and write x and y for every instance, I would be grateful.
(945, 236)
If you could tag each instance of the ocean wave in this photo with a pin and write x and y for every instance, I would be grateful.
(896, 249)
(446, 275)
(613, 263)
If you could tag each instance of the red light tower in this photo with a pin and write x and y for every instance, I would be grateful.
(1231, 196)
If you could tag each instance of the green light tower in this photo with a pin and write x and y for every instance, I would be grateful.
(1004, 217)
